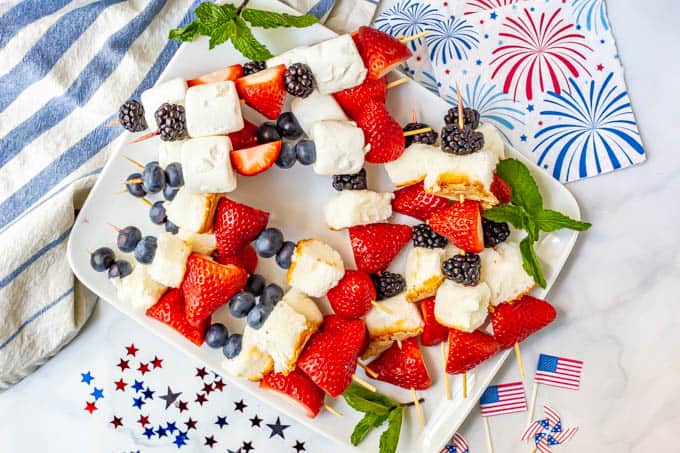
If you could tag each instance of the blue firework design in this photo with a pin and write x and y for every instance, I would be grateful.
(594, 130)
(591, 15)
(451, 39)
(493, 105)
(408, 18)
(430, 82)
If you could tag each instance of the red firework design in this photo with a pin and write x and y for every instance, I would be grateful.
(544, 49)
(475, 6)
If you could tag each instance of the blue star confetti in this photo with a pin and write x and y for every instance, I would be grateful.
(97, 393)
(171, 427)
(138, 402)
(277, 428)
(148, 432)
(148, 393)
(221, 421)
(181, 439)
(86, 378)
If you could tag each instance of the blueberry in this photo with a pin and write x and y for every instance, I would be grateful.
(271, 294)
(233, 346)
(288, 126)
(255, 284)
(128, 238)
(306, 152)
(102, 259)
(136, 189)
(157, 213)
(173, 174)
(241, 303)
(287, 156)
(120, 269)
(259, 314)
(267, 132)
(285, 254)
(146, 249)
(171, 227)
(216, 335)
(153, 177)
(269, 242)
(169, 192)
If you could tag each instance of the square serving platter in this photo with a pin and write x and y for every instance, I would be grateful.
(295, 199)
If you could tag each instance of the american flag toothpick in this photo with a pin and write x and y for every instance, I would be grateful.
(501, 399)
(458, 445)
(555, 371)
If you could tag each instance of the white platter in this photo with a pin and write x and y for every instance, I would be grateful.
(295, 198)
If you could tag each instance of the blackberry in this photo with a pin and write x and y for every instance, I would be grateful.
(357, 181)
(171, 120)
(494, 233)
(424, 236)
(387, 284)
(131, 116)
(463, 269)
(470, 117)
(253, 66)
(461, 141)
(299, 80)
(428, 138)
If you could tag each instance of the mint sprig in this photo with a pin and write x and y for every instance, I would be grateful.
(222, 23)
(526, 212)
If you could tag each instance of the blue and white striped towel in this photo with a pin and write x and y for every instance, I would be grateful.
(66, 65)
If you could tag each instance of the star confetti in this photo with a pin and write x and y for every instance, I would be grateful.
(255, 421)
(156, 362)
(143, 368)
(123, 365)
(138, 386)
(207, 388)
(221, 421)
(181, 439)
(97, 393)
(117, 422)
(210, 441)
(299, 446)
(138, 402)
(143, 420)
(171, 426)
(277, 428)
(120, 384)
(548, 431)
(90, 407)
(239, 406)
(148, 432)
(191, 424)
(148, 393)
(170, 397)
(201, 372)
(200, 398)
(160, 432)
(132, 350)
(182, 406)
(247, 446)
(219, 385)
(86, 378)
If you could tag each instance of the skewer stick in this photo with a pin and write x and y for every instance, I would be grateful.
(532, 405)
(518, 353)
(134, 162)
(446, 375)
(382, 307)
(399, 344)
(332, 411)
(146, 202)
(146, 136)
(461, 120)
(419, 410)
(368, 371)
(133, 181)
(417, 131)
(122, 191)
(533, 450)
(396, 83)
(461, 198)
(464, 385)
(115, 228)
(112, 123)
(363, 383)
(414, 115)
(487, 431)
(414, 37)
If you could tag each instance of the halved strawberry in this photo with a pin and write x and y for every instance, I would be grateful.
(264, 90)
(374, 246)
(467, 350)
(353, 100)
(501, 189)
(257, 159)
(246, 259)
(236, 225)
(403, 366)
(461, 224)
(232, 72)
(381, 132)
(514, 322)
(415, 202)
(297, 386)
(433, 332)
(244, 138)
(170, 310)
(381, 52)
(352, 296)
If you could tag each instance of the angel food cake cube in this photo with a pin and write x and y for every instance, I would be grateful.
(460, 307)
(169, 262)
(339, 147)
(502, 269)
(357, 207)
(316, 107)
(206, 165)
(336, 64)
(138, 289)
(213, 109)
(398, 320)
(173, 91)
(201, 243)
(192, 212)
(315, 268)
(413, 165)
(423, 273)
(251, 363)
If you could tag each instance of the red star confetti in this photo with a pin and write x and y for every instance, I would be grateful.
(200, 398)
(191, 424)
(207, 388)
(120, 384)
(182, 406)
(143, 368)
(210, 441)
(600, 67)
(123, 364)
(201, 372)
(219, 385)
(143, 420)
(90, 407)
(156, 362)
(117, 422)
(131, 350)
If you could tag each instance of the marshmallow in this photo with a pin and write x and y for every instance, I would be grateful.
(213, 109)
(339, 147)
(169, 152)
(413, 165)
(336, 64)
(290, 57)
(462, 307)
(169, 263)
(173, 92)
(399, 320)
(138, 289)
(192, 212)
(357, 207)
(316, 107)
(315, 268)
(503, 271)
(423, 273)
(206, 165)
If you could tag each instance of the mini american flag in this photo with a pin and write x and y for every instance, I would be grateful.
(503, 399)
(558, 372)
(548, 432)
(459, 445)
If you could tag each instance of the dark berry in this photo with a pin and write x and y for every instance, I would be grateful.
(169, 193)
(128, 238)
(136, 189)
(463, 269)
(131, 116)
(305, 150)
(284, 256)
(288, 126)
(146, 249)
(173, 174)
(157, 213)
(356, 181)
(241, 303)
(216, 335)
(299, 80)
(272, 294)
(171, 227)
(255, 284)
(171, 121)
(424, 236)
(427, 138)
(461, 141)
(120, 269)
(388, 284)
(494, 233)
(102, 259)
(470, 117)
(232, 347)
(267, 132)
(259, 314)
(269, 242)
(153, 177)
(287, 156)
(252, 67)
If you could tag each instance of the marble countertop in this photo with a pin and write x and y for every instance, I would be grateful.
(616, 297)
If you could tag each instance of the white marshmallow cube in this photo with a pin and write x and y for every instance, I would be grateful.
(316, 107)
(357, 207)
(213, 109)
(206, 165)
(460, 307)
(336, 64)
(169, 152)
(339, 147)
(173, 92)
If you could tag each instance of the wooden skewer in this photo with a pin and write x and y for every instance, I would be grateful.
(461, 120)
(115, 228)
(417, 131)
(411, 38)
(419, 410)
(363, 383)
(133, 181)
(464, 385)
(332, 411)
(380, 306)
(414, 114)
(518, 353)
(399, 345)
(112, 123)
(368, 371)
(396, 83)
(134, 162)
(146, 202)
(533, 450)
(146, 136)
(461, 198)
(121, 191)
(446, 375)
(487, 432)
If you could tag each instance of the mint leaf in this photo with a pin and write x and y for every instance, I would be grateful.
(530, 261)
(222, 33)
(363, 405)
(513, 215)
(362, 392)
(247, 44)
(531, 228)
(525, 192)
(269, 19)
(212, 15)
(365, 426)
(549, 220)
(186, 34)
(390, 438)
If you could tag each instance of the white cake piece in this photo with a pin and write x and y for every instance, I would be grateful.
(460, 307)
(399, 319)
(192, 212)
(169, 263)
(339, 147)
(251, 363)
(316, 107)
(357, 207)
(173, 92)
(201, 243)
(213, 109)
(336, 64)
(413, 165)
(292, 56)
(423, 273)
(206, 165)
(169, 152)
(492, 140)
(502, 270)
(305, 306)
(138, 289)
(315, 268)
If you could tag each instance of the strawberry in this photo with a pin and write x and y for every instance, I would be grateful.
(236, 225)
(461, 224)
(232, 72)
(208, 285)
(254, 160)
(264, 91)
(501, 189)
(415, 202)
(403, 367)
(244, 138)
(433, 332)
(381, 132)
(514, 322)
(375, 245)
(297, 386)
(170, 310)
(352, 296)
(331, 355)
(467, 350)
(381, 52)
(246, 258)
(353, 100)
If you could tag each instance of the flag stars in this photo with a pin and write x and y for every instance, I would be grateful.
(210, 441)
(299, 446)
(123, 365)
(255, 421)
(493, 16)
(90, 406)
(600, 67)
(97, 393)
(120, 384)
(86, 377)
(277, 428)
(156, 362)
(530, 107)
(523, 138)
(221, 421)
(239, 406)
(143, 368)
(132, 350)
(117, 422)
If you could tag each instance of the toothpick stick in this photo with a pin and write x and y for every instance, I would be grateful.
(461, 198)
(122, 191)
(242, 101)
(518, 353)
(115, 228)
(332, 411)
(363, 383)
(112, 123)
(134, 162)
(146, 136)
(417, 131)
(464, 385)
(414, 114)
(133, 181)
(396, 83)
(368, 371)
(461, 120)
(146, 202)
(446, 375)
(533, 450)
(399, 344)
(532, 405)
(489, 444)
(419, 410)
(414, 37)
(382, 307)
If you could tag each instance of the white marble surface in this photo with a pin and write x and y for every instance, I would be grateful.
(616, 297)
